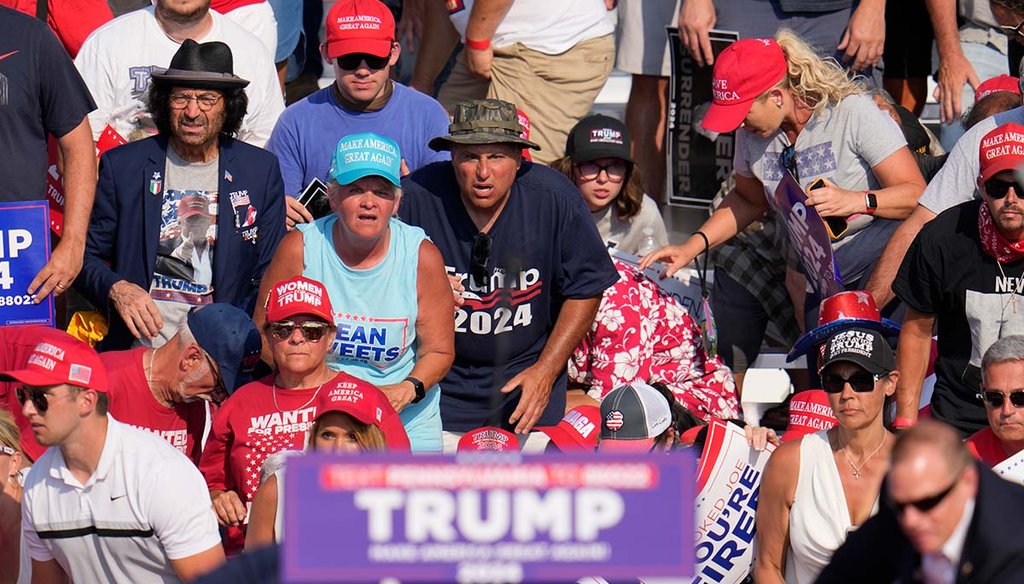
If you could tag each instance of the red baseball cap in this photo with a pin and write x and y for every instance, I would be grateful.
(486, 439)
(299, 295)
(841, 311)
(61, 360)
(367, 404)
(577, 431)
(193, 205)
(359, 26)
(809, 412)
(1003, 82)
(745, 69)
(1001, 149)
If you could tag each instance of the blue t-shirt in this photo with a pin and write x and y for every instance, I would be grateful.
(545, 249)
(41, 93)
(308, 131)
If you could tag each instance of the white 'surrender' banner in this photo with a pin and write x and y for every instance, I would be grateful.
(728, 482)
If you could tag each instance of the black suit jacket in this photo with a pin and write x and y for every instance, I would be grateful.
(993, 549)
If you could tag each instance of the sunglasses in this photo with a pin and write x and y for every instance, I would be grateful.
(480, 254)
(5, 449)
(353, 61)
(923, 505)
(996, 399)
(220, 391)
(1013, 30)
(861, 382)
(39, 398)
(589, 171)
(311, 331)
(787, 160)
(205, 101)
(997, 189)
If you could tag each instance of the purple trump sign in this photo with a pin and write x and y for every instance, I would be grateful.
(808, 237)
(488, 518)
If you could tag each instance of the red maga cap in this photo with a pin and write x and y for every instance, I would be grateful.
(367, 404)
(577, 431)
(809, 412)
(488, 438)
(1001, 149)
(62, 360)
(193, 205)
(299, 295)
(359, 26)
(1003, 82)
(745, 69)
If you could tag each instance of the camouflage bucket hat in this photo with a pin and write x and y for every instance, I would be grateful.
(483, 121)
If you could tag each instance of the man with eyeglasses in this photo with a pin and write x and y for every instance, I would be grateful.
(117, 61)
(944, 519)
(361, 46)
(1002, 391)
(167, 390)
(186, 218)
(106, 502)
(964, 277)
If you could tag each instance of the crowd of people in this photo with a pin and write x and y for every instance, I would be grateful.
(458, 265)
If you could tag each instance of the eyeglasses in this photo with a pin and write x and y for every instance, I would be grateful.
(481, 253)
(787, 160)
(352, 61)
(997, 189)
(616, 171)
(861, 382)
(311, 331)
(1013, 30)
(205, 101)
(220, 391)
(996, 398)
(38, 396)
(924, 505)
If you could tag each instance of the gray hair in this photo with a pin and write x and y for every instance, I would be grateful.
(883, 94)
(1006, 349)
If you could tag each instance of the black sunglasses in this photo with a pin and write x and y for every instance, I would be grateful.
(787, 160)
(1013, 30)
(589, 171)
(311, 331)
(38, 396)
(352, 61)
(861, 382)
(923, 505)
(997, 189)
(996, 398)
(480, 254)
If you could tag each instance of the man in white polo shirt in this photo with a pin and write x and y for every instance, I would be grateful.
(107, 502)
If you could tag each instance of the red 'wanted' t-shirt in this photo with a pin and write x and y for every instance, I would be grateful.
(132, 402)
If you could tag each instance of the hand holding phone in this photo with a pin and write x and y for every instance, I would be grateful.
(836, 226)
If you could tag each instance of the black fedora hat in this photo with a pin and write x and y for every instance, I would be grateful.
(202, 66)
(483, 121)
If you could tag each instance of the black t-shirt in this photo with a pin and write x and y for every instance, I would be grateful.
(545, 249)
(946, 273)
(41, 93)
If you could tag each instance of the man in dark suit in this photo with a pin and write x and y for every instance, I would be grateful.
(945, 519)
(186, 218)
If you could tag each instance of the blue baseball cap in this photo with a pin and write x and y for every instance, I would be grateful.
(366, 154)
(231, 339)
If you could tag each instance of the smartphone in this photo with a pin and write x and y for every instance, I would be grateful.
(836, 226)
(314, 198)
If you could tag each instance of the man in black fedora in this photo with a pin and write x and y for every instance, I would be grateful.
(150, 191)
(529, 264)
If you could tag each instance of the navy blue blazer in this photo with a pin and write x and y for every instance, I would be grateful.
(124, 229)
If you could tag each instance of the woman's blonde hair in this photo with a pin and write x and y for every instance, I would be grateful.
(9, 434)
(369, 438)
(814, 82)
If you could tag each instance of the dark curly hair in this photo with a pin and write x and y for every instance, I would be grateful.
(159, 104)
(628, 203)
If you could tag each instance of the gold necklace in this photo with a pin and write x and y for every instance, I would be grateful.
(856, 468)
(1013, 293)
(303, 406)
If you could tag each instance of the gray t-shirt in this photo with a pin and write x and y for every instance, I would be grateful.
(957, 180)
(627, 235)
(183, 277)
(841, 144)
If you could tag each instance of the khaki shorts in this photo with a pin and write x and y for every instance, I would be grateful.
(554, 91)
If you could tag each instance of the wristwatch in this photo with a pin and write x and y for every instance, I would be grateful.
(421, 392)
(871, 201)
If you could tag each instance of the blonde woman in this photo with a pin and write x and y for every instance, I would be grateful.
(801, 113)
(13, 560)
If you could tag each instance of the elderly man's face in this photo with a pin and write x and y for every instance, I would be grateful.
(1007, 421)
(485, 173)
(197, 115)
(929, 497)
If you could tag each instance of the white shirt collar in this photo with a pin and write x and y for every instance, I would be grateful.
(953, 549)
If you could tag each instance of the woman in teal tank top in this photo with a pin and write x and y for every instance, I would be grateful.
(393, 305)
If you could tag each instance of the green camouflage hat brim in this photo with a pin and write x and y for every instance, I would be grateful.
(442, 143)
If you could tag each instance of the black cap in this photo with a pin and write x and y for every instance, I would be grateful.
(201, 66)
(860, 346)
(598, 136)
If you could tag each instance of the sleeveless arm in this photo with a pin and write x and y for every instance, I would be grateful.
(775, 499)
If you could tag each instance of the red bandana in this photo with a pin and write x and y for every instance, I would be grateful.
(993, 242)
